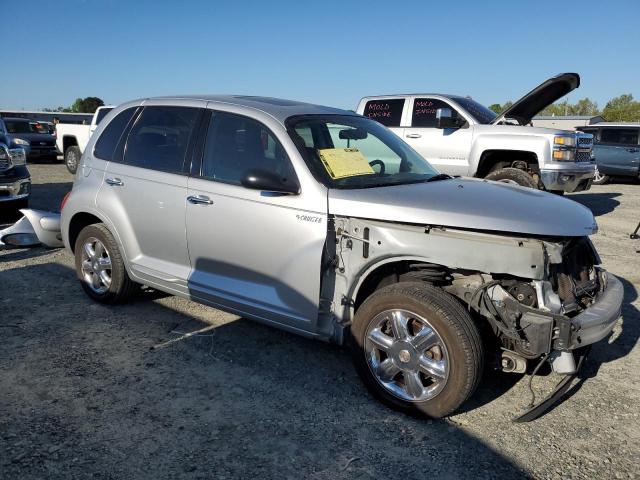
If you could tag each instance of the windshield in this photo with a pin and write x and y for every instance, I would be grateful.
(479, 112)
(355, 152)
(17, 126)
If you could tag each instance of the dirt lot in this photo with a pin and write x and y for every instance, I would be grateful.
(82, 396)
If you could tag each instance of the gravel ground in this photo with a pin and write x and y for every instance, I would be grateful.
(83, 396)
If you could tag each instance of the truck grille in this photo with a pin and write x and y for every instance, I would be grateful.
(42, 143)
(5, 164)
(583, 156)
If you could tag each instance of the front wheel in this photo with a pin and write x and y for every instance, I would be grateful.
(514, 176)
(100, 266)
(417, 349)
(72, 158)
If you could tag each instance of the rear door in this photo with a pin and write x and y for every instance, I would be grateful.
(254, 252)
(617, 151)
(446, 149)
(144, 193)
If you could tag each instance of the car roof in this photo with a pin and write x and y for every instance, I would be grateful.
(402, 95)
(278, 108)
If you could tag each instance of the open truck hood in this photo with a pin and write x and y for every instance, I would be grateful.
(540, 98)
(470, 204)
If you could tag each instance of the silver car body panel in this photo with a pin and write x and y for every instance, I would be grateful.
(468, 203)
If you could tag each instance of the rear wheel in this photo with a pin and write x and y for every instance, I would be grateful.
(599, 178)
(417, 349)
(514, 176)
(72, 158)
(100, 266)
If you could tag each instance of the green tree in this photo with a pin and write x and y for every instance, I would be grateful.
(86, 105)
(622, 109)
(496, 108)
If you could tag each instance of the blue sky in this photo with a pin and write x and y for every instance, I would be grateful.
(319, 51)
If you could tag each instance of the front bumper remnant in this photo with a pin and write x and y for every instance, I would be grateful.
(567, 180)
(539, 409)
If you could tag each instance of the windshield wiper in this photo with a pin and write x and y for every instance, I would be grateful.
(440, 176)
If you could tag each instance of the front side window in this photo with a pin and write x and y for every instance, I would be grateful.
(624, 136)
(388, 112)
(344, 151)
(107, 143)
(424, 112)
(237, 144)
(160, 137)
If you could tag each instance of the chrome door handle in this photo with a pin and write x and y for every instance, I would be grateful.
(114, 182)
(200, 200)
(413, 135)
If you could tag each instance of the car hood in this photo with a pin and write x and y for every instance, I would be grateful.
(540, 98)
(468, 203)
(34, 137)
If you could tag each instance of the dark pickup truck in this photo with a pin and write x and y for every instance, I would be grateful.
(38, 143)
(15, 180)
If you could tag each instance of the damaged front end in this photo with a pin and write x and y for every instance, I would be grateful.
(36, 227)
(544, 298)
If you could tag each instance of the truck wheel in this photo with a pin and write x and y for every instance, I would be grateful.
(72, 158)
(100, 267)
(514, 176)
(599, 178)
(416, 349)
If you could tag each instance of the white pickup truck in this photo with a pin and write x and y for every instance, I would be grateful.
(461, 137)
(71, 138)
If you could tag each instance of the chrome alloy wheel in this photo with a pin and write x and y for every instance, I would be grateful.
(96, 265)
(406, 355)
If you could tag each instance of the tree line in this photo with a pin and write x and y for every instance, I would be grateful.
(81, 105)
(619, 109)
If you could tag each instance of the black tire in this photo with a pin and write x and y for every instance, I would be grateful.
(72, 157)
(512, 175)
(600, 179)
(122, 287)
(452, 323)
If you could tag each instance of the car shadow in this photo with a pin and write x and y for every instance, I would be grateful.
(598, 203)
(243, 400)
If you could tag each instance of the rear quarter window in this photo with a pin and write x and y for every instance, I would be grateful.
(110, 137)
(387, 112)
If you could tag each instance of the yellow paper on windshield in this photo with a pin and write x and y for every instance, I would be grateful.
(344, 162)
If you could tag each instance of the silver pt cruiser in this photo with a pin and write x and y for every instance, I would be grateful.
(324, 223)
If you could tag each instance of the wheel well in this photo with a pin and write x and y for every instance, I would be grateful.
(78, 222)
(69, 142)
(494, 159)
(400, 271)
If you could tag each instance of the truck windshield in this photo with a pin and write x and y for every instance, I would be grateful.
(18, 126)
(345, 151)
(481, 113)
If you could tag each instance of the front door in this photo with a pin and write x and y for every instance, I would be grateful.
(446, 149)
(617, 152)
(253, 252)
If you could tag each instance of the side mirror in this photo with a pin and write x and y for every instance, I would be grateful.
(445, 119)
(257, 179)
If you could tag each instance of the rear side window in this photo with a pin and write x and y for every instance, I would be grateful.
(424, 112)
(236, 144)
(110, 136)
(387, 112)
(625, 136)
(159, 138)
